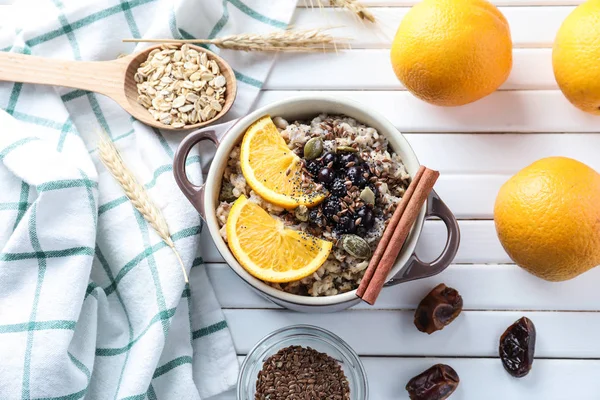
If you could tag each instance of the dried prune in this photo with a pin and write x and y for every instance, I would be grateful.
(517, 347)
(439, 308)
(436, 383)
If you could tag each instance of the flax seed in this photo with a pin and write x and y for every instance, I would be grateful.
(297, 372)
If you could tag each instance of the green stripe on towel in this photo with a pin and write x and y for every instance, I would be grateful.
(41, 261)
(219, 326)
(80, 23)
(38, 326)
(171, 365)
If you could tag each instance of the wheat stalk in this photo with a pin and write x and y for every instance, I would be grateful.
(308, 40)
(354, 6)
(136, 193)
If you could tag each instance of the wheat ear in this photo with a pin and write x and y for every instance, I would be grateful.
(354, 6)
(306, 40)
(136, 193)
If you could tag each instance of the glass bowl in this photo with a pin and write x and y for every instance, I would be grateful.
(306, 336)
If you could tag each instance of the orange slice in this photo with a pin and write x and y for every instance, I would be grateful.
(268, 250)
(273, 170)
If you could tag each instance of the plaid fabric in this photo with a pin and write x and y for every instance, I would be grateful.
(92, 303)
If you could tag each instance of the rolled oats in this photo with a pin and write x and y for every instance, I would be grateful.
(179, 86)
(343, 270)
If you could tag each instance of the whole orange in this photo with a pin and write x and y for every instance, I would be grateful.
(452, 52)
(548, 218)
(575, 57)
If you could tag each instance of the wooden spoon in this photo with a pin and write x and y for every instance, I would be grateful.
(110, 78)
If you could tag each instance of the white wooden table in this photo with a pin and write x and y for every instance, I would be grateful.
(476, 147)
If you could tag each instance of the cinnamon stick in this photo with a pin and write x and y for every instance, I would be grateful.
(389, 231)
(407, 220)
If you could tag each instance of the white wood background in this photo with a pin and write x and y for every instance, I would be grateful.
(476, 147)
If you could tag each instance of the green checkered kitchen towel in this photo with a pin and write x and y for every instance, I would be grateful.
(92, 303)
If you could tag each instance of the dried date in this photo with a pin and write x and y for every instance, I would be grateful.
(436, 383)
(517, 347)
(439, 308)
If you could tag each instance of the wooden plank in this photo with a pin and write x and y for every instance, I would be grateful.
(482, 379)
(470, 196)
(503, 111)
(479, 243)
(499, 154)
(524, 33)
(405, 3)
(370, 69)
(487, 379)
(483, 287)
(392, 333)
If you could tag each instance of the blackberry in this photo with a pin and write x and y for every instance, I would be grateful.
(313, 167)
(354, 172)
(338, 188)
(331, 206)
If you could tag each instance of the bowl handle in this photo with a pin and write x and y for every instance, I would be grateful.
(417, 269)
(195, 194)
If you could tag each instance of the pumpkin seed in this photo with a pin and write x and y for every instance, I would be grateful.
(367, 196)
(313, 148)
(226, 193)
(347, 149)
(301, 213)
(356, 246)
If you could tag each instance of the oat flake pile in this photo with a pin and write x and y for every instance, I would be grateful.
(179, 86)
(92, 304)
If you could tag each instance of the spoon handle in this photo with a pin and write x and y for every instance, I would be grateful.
(106, 77)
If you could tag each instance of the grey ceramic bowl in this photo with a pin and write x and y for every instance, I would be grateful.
(225, 136)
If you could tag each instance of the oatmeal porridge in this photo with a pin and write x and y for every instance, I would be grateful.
(363, 179)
